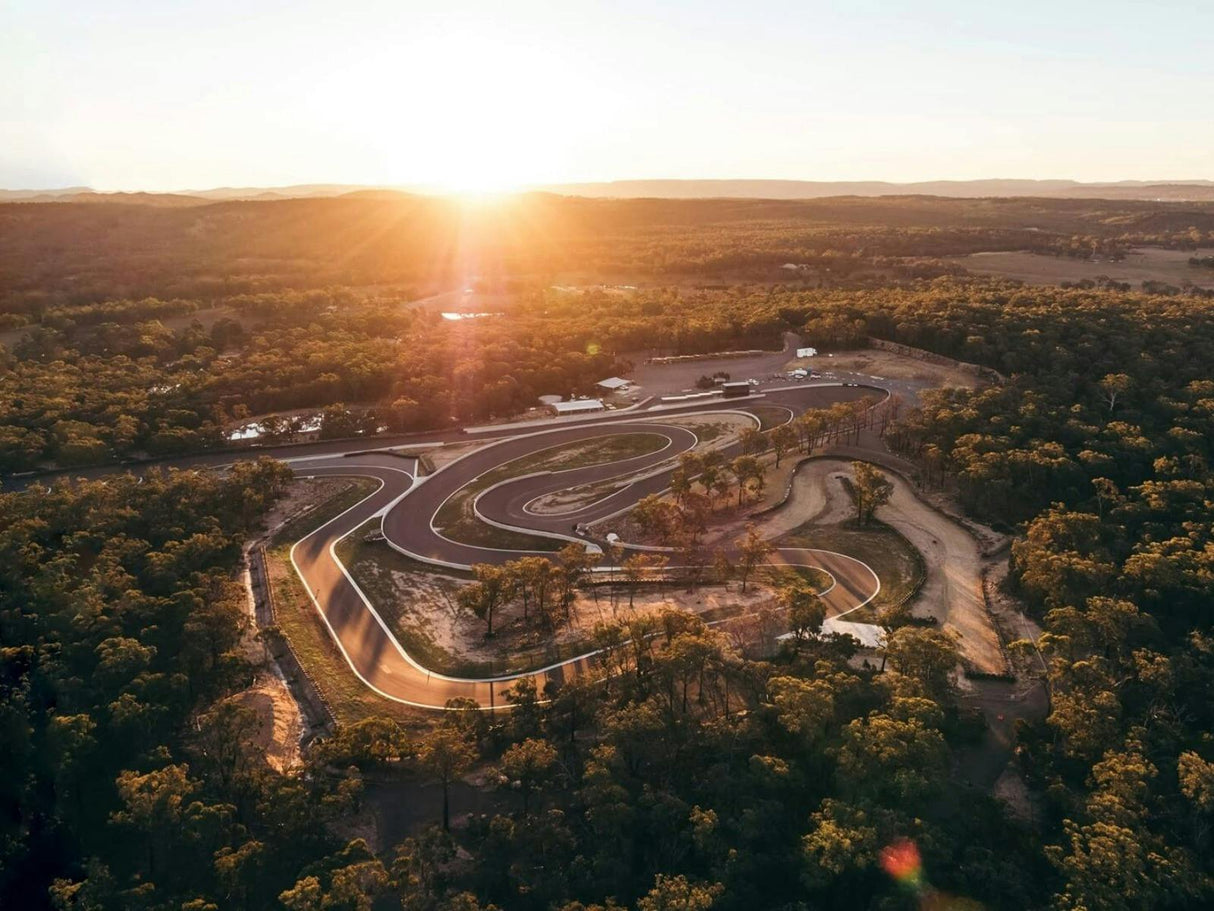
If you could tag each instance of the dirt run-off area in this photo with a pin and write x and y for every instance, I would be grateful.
(1142, 264)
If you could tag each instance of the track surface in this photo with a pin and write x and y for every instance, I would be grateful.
(408, 506)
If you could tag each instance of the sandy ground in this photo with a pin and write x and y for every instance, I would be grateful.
(817, 495)
(281, 722)
(886, 365)
(1143, 264)
(726, 426)
(952, 591)
(302, 495)
(426, 603)
(280, 727)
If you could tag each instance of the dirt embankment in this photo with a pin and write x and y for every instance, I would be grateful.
(953, 588)
(279, 725)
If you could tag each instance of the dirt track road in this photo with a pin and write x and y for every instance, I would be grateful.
(952, 590)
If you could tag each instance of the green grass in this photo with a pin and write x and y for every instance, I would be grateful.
(897, 564)
(457, 520)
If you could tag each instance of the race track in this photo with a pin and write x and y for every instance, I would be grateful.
(408, 506)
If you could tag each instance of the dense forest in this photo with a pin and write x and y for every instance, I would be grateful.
(62, 254)
(694, 776)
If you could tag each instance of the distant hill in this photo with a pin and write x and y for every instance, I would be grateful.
(134, 199)
(187, 197)
(1168, 191)
(961, 189)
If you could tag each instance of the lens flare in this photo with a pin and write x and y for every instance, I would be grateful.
(901, 861)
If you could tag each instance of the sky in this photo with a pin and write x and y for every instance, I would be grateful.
(499, 94)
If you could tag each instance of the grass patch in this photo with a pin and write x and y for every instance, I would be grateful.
(782, 575)
(769, 415)
(897, 564)
(457, 520)
(710, 430)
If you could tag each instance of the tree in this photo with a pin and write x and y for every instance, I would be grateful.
(677, 893)
(746, 469)
(712, 474)
(366, 743)
(640, 567)
(783, 438)
(804, 707)
(753, 549)
(1113, 386)
(574, 562)
(806, 610)
(487, 593)
(654, 517)
(353, 879)
(753, 440)
(680, 484)
(419, 869)
(154, 805)
(527, 766)
(870, 489)
(926, 655)
(446, 753)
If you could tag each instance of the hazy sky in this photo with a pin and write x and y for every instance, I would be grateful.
(165, 94)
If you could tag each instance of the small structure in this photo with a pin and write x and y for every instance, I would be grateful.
(614, 384)
(577, 406)
(807, 352)
(736, 390)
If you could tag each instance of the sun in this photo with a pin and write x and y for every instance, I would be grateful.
(479, 181)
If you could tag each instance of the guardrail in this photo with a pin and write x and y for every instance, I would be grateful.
(305, 689)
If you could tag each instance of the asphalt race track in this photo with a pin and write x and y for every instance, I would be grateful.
(408, 506)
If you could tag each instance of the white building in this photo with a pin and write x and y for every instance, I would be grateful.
(614, 384)
(577, 406)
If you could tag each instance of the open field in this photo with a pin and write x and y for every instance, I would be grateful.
(887, 365)
(1142, 264)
